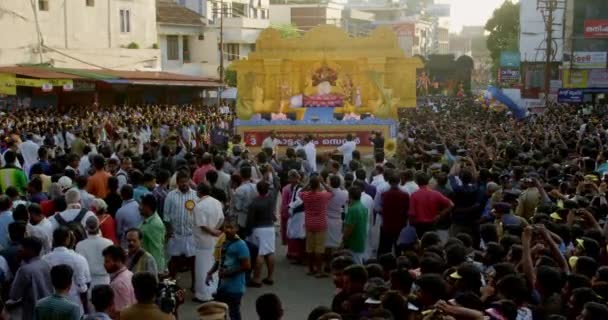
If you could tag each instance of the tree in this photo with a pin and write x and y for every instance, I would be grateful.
(230, 78)
(287, 30)
(504, 31)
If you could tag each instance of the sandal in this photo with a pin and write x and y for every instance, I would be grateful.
(268, 282)
(322, 275)
(252, 284)
(311, 273)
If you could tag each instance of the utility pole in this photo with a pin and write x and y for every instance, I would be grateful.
(221, 88)
(548, 8)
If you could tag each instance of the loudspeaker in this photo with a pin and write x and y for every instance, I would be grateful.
(291, 116)
(266, 116)
(366, 115)
(339, 116)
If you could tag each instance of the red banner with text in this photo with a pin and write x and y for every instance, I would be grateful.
(323, 138)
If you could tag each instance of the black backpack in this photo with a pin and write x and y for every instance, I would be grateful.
(75, 225)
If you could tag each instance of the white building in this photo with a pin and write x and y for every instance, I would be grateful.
(243, 21)
(533, 34)
(187, 45)
(114, 34)
(306, 15)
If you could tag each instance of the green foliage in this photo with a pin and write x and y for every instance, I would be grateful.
(504, 31)
(154, 46)
(132, 45)
(287, 30)
(230, 78)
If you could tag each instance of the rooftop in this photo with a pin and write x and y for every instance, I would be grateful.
(169, 12)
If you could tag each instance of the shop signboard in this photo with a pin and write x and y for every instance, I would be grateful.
(509, 59)
(595, 28)
(7, 84)
(587, 59)
(570, 95)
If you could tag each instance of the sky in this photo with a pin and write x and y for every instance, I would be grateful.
(470, 12)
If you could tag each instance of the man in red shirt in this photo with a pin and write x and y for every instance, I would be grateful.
(204, 166)
(395, 204)
(427, 205)
(315, 222)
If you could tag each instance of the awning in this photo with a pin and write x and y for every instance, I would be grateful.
(37, 72)
(205, 84)
(152, 78)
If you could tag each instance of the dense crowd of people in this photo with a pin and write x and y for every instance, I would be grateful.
(477, 216)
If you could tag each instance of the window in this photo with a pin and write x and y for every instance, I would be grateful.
(231, 51)
(43, 5)
(172, 47)
(186, 48)
(239, 10)
(90, 3)
(125, 20)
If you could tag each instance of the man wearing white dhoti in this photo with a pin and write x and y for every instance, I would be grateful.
(208, 217)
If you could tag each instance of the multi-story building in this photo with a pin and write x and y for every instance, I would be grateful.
(112, 34)
(306, 14)
(242, 23)
(187, 45)
(584, 68)
(443, 40)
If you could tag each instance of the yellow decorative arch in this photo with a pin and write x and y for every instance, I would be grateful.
(373, 74)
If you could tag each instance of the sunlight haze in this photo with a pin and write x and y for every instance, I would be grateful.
(470, 12)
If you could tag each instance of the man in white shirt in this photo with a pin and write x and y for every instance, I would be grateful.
(85, 163)
(378, 177)
(271, 142)
(29, 151)
(407, 182)
(72, 199)
(11, 146)
(347, 149)
(40, 227)
(311, 152)
(62, 254)
(208, 217)
(91, 249)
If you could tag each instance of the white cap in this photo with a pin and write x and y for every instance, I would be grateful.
(64, 183)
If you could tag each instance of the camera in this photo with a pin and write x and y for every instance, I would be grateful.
(167, 296)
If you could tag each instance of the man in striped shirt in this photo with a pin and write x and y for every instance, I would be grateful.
(178, 209)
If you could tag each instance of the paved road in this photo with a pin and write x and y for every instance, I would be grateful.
(298, 292)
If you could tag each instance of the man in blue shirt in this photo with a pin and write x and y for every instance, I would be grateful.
(233, 264)
(6, 218)
(102, 298)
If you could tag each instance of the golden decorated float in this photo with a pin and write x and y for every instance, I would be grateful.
(326, 79)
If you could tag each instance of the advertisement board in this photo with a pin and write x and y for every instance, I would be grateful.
(595, 28)
(509, 75)
(7, 84)
(509, 59)
(587, 59)
(570, 95)
(594, 78)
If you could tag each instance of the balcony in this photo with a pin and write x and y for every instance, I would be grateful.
(243, 23)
